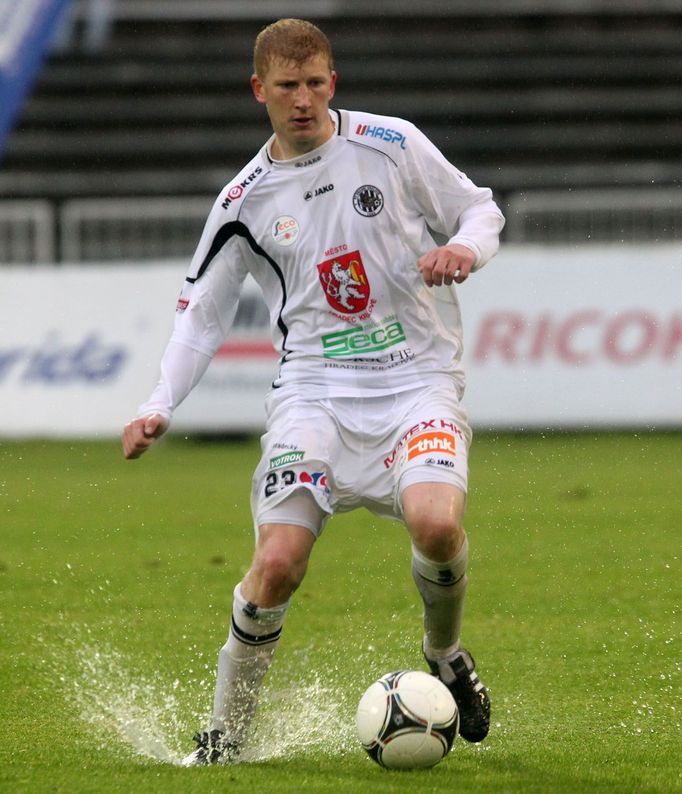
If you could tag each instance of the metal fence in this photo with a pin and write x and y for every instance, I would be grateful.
(27, 232)
(130, 229)
(92, 230)
(595, 216)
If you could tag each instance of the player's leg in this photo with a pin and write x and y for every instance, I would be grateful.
(290, 502)
(259, 608)
(433, 513)
(260, 604)
(429, 460)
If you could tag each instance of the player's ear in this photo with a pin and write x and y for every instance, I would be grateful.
(257, 88)
(332, 85)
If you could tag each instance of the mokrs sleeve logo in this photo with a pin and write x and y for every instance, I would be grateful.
(345, 283)
(236, 191)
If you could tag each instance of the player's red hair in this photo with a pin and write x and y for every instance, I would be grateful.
(289, 40)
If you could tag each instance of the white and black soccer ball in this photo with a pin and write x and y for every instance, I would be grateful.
(407, 720)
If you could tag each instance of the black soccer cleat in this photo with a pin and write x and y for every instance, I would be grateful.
(212, 748)
(459, 676)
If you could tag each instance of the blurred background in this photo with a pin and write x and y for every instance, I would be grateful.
(121, 120)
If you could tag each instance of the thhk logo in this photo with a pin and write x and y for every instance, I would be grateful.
(345, 283)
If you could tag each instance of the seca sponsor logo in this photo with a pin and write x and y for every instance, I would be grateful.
(312, 161)
(424, 426)
(431, 442)
(383, 133)
(582, 338)
(236, 191)
(362, 340)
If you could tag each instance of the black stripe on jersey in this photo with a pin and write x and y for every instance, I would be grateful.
(254, 639)
(238, 229)
(373, 149)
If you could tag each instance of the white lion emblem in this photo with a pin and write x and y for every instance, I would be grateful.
(346, 286)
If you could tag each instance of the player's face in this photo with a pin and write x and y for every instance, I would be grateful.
(297, 99)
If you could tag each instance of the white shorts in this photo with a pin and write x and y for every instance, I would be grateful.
(360, 452)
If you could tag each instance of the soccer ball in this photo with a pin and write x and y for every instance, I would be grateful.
(407, 719)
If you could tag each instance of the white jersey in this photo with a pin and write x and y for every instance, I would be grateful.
(332, 238)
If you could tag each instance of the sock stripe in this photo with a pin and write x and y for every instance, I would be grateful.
(254, 639)
(447, 579)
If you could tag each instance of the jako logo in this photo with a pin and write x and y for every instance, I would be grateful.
(311, 161)
(91, 361)
(392, 136)
(309, 194)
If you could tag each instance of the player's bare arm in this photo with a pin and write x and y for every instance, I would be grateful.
(141, 433)
(446, 264)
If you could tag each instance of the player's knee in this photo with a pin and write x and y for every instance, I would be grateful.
(279, 573)
(438, 537)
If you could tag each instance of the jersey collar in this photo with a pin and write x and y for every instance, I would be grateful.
(309, 158)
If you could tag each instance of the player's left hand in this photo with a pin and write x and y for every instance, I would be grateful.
(446, 264)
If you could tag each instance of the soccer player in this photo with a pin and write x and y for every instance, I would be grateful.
(333, 218)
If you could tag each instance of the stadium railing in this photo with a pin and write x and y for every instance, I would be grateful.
(27, 232)
(591, 216)
(123, 229)
(133, 229)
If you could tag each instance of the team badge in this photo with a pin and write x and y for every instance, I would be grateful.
(345, 283)
(368, 201)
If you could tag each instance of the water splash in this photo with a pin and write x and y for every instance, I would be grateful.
(154, 718)
(112, 696)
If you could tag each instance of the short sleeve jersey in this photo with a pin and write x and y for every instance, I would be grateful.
(332, 238)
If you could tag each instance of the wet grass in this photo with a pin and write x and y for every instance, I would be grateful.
(115, 582)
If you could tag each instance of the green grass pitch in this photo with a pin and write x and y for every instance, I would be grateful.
(115, 586)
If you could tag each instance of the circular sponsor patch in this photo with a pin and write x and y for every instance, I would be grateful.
(285, 230)
(368, 201)
(235, 192)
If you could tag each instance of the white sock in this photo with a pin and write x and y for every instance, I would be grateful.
(242, 664)
(442, 586)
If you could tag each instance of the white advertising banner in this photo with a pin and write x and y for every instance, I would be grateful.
(79, 347)
(554, 337)
(575, 337)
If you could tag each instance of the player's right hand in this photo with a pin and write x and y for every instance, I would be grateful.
(141, 433)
